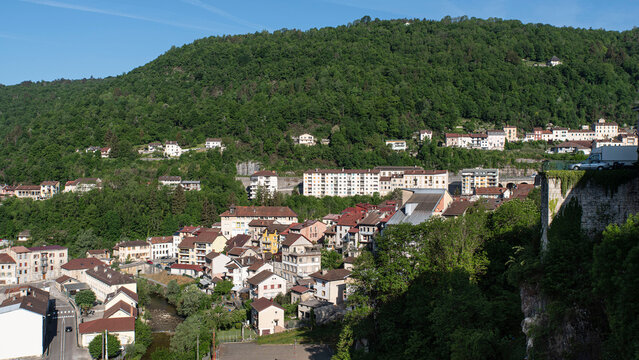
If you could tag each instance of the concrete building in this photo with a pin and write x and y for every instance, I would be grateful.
(605, 130)
(7, 270)
(170, 181)
(28, 192)
(161, 246)
(267, 317)
(511, 133)
(172, 149)
(330, 285)
(265, 181)
(425, 134)
(121, 327)
(300, 258)
(305, 139)
(37, 263)
(215, 264)
(414, 178)
(214, 143)
(472, 178)
(266, 284)
(24, 318)
(397, 145)
(193, 249)
(132, 250)
(49, 188)
(82, 185)
(322, 182)
(104, 281)
(236, 220)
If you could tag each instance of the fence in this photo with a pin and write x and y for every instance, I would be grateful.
(556, 165)
(235, 335)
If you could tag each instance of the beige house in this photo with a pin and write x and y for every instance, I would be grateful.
(299, 258)
(215, 264)
(104, 281)
(266, 284)
(77, 268)
(122, 295)
(236, 220)
(7, 270)
(193, 249)
(330, 285)
(28, 192)
(132, 250)
(102, 254)
(49, 188)
(267, 317)
(38, 263)
(313, 230)
(122, 327)
(300, 293)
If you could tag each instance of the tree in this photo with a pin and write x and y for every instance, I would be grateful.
(223, 287)
(95, 346)
(173, 292)
(331, 259)
(85, 299)
(178, 202)
(191, 300)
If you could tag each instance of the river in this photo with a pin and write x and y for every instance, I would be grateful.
(163, 320)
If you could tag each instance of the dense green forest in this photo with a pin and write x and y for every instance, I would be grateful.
(357, 84)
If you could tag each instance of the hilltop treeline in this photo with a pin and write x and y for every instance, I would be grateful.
(357, 84)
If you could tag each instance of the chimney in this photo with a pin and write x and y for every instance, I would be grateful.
(232, 209)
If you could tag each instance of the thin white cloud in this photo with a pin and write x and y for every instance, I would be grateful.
(8, 36)
(62, 5)
(218, 11)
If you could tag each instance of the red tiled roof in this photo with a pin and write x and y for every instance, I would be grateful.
(260, 223)
(62, 279)
(47, 248)
(263, 303)
(188, 242)
(28, 187)
(120, 305)
(161, 239)
(260, 211)
(6, 259)
(82, 264)
(457, 208)
(331, 275)
(49, 183)
(300, 289)
(490, 190)
(260, 277)
(292, 238)
(187, 267)
(20, 249)
(98, 252)
(113, 325)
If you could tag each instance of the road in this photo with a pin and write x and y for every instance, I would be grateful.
(252, 351)
(62, 344)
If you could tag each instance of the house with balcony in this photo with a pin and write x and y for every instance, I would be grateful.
(264, 181)
(132, 251)
(236, 220)
(49, 188)
(172, 149)
(331, 285)
(313, 230)
(266, 284)
(300, 258)
(397, 145)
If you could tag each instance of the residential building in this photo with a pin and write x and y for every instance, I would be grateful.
(425, 134)
(120, 310)
(313, 230)
(215, 264)
(472, 178)
(330, 285)
(7, 270)
(571, 147)
(82, 185)
(77, 268)
(554, 61)
(101, 254)
(171, 181)
(239, 241)
(267, 317)
(492, 192)
(300, 293)
(192, 250)
(414, 178)
(172, 149)
(496, 140)
(305, 139)
(236, 220)
(123, 328)
(581, 135)
(325, 141)
(161, 246)
(214, 143)
(187, 269)
(28, 192)
(397, 145)
(132, 250)
(121, 295)
(300, 258)
(457, 208)
(264, 181)
(24, 324)
(605, 130)
(266, 284)
(38, 263)
(511, 133)
(49, 188)
(492, 140)
(24, 236)
(105, 152)
(191, 185)
(104, 281)
(419, 205)
(240, 252)
(322, 182)
(155, 146)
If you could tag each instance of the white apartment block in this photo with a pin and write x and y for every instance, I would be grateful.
(172, 149)
(474, 178)
(425, 134)
(493, 140)
(605, 130)
(414, 179)
(397, 145)
(305, 139)
(265, 180)
(235, 221)
(161, 246)
(341, 183)
(213, 143)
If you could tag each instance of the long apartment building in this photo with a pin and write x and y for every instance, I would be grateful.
(382, 180)
(265, 180)
(37, 263)
(474, 178)
(492, 140)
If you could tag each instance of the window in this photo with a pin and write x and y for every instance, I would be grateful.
(265, 287)
(279, 286)
(273, 286)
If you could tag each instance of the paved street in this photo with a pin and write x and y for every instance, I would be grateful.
(252, 351)
(62, 344)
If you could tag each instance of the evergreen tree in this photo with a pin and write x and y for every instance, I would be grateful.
(178, 203)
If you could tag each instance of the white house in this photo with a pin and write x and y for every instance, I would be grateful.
(214, 143)
(187, 269)
(172, 149)
(215, 263)
(397, 145)
(122, 327)
(425, 134)
(161, 246)
(265, 180)
(306, 139)
(266, 284)
(104, 281)
(7, 269)
(23, 318)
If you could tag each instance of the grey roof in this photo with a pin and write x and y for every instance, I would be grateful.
(419, 207)
(76, 287)
(314, 303)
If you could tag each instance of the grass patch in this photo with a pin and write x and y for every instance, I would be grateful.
(326, 334)
(165, 277)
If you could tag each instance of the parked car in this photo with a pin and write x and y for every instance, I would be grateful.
(68, 329)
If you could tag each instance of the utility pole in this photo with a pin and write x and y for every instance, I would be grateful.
(198, 347)
(107, 344)
(213, 352)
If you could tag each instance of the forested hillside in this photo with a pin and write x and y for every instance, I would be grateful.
(357, 84)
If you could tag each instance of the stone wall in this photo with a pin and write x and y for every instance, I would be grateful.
(600, 205)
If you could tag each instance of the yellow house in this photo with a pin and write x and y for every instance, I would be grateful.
(270, 238)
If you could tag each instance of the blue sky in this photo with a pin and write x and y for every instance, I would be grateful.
(74, 39)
